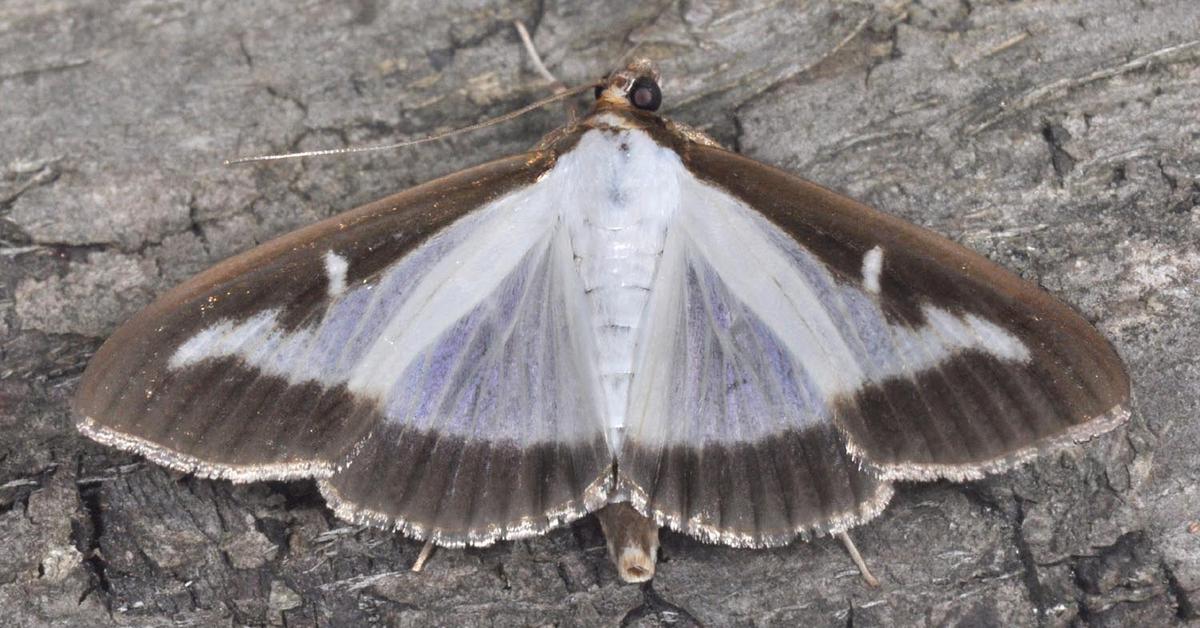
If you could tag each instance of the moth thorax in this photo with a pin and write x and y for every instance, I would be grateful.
(617, 266)
(617, 237)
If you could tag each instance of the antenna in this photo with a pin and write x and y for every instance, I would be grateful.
(561, 92)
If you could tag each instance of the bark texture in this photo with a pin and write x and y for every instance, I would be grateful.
(1060, 138)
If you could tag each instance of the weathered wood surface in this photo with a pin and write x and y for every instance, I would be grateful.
(1059, 138)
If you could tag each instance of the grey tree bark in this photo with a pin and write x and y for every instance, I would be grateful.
(1060, 138)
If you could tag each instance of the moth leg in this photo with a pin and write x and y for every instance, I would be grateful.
(426, 552)
(858, 559)
(632, 541)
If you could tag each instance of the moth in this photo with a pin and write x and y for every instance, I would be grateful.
(627, 320)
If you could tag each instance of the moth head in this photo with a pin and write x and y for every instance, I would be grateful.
(636, 86)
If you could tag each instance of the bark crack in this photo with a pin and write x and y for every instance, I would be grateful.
(86, 532)
(656, 606)
(1033, 585)
(1056, 136)
(1185, 608)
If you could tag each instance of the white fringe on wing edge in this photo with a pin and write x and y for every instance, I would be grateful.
(190, 464)
(695, 527)
(595, 496)
(1076, 434)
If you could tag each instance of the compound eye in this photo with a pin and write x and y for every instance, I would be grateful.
(645, 94)
(599, 90)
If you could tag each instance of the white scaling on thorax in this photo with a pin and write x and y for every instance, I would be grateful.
(617, 226)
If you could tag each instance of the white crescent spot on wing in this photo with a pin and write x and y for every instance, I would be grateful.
(335, 271)
(871, 266)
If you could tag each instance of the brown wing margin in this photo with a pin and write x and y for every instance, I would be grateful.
(759, 494)
(220, 418)
(973, 414)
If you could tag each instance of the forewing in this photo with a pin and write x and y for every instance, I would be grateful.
(420, 354)
(1022, 371)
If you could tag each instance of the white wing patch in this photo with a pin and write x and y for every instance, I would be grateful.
(225, 338)
(455, 284)
(480, 332)
(748, 334)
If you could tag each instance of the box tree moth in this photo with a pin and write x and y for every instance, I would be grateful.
(628, 319)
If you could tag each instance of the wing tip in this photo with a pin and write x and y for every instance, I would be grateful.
(1077, 434)
(184, 463)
